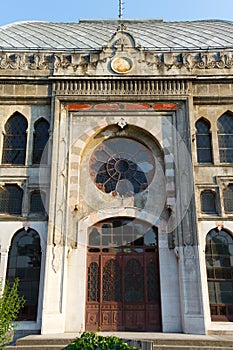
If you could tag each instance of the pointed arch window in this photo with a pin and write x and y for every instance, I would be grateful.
(15, 140)
(228, 199)
(37, 200)
(24, 262)
(208, 202)
(11, 197)
(219, 263)
(204, 142)
(225, 138)
(41, 136)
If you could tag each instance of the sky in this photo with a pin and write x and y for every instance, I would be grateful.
(73, 10)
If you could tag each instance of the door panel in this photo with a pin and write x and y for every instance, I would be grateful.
(123, 287)
(128, 295)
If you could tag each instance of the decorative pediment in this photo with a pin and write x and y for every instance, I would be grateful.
(121, 41)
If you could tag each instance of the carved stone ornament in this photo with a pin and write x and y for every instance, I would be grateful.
(57, 258)
(82, 63)
(121, 64)
(24, 61)
(219, 225)
(122, 123)
(26, 225)
(189, 256)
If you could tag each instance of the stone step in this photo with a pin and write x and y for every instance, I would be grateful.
(189, 347)
(40, 343)
(144, 347)
(166, 342)
(178, 343)
(35, 347)
(33, 341)
(223, 341)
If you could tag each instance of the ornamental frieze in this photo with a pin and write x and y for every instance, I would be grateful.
(100, 63)
(24, 61)
(120, 56)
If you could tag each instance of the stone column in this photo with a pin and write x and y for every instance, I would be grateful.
(186, 231)
(3, 263)
(53, 317)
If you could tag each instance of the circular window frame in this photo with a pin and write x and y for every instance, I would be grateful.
(122, 169)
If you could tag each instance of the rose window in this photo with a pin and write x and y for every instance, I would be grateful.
(122, 166)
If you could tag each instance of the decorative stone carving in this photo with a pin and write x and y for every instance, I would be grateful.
(122, 40)
(26, 225)
(57, 258)
(189, 256)
(171, 60)
(219, 225)
(25, 61)
(62, 61)
(121, 64)
(189, 61)
(154, 61)
(122, 123)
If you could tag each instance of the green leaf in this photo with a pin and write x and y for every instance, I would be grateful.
(10, 304)
(93, 341)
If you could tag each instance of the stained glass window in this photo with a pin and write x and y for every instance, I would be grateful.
(225, 138)
(24, 262)
(123, 232)
(122, 166)
(203, 140)
(37, 201)
(41, 136)
(15, 140)
(219, 263)
(208, 202)
(228, 199)
(11, 199)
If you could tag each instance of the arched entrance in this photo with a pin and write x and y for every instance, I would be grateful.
(123, 288)
(219, 263)
(24, 263)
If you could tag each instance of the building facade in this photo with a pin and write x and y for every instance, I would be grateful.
(116, 197)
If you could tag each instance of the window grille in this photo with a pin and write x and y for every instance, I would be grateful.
(41, 136)
(208, 202)
(93, 282)
(11, 199)
(112, 281)
(225, 138)
(204, 143)
(228, 199)
(37, 201)
(15, 140)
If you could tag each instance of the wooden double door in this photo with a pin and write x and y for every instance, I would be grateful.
(123, 289)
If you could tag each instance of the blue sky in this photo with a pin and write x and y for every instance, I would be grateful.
(73, 10)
